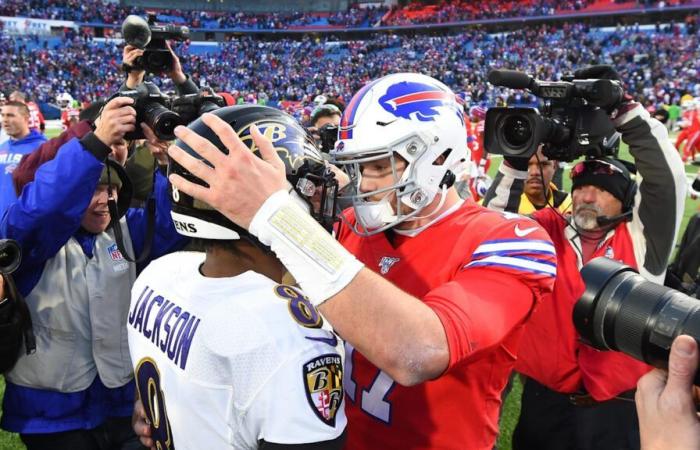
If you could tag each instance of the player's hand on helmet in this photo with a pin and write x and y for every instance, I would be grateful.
(666, 401)
(129, 56)
(157, 147)
(240, 182)
(141, 425)
(118, 117)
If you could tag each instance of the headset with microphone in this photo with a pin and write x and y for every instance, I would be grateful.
(627, 207)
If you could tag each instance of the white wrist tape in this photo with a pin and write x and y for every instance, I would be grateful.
(321, 266)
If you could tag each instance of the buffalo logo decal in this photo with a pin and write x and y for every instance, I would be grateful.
(417, 100)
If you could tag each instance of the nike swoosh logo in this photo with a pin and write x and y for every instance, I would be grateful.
(332, 341)
(525, 232)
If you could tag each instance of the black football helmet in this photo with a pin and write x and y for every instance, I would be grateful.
(310, 181)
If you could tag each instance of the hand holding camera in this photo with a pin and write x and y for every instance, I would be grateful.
(666, 401)
(129, 56)
(118, 118)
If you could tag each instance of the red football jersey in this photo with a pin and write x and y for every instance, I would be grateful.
(36, 118)
(482, 272)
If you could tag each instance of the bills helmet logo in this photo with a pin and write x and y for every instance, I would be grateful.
(411, 100)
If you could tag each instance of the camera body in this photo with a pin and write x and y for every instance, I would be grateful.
(572, 122)
(328, 135)
(163, 113)
(152, 39)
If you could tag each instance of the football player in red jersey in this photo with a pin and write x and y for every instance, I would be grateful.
(429, 292)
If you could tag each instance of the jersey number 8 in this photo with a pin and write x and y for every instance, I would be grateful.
(153, 400)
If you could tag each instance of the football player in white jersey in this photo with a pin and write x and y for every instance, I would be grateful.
(225, 353)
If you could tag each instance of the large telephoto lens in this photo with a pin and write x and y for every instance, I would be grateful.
(161, 120)
(622, 311)
(517, 131)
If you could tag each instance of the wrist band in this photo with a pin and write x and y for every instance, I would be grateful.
(321, 266)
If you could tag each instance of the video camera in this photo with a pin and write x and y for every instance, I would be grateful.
(162, 113)
(622, 311)
(151, 37)
(573, 122)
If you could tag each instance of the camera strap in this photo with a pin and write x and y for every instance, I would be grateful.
(22, 312)
(118, 209)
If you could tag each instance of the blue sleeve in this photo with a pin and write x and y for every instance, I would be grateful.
(165, 238)
(50, 208)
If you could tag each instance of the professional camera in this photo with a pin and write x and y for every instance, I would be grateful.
(151, 37)
(10, 256)
(328, 135)
(622, 311)
(162, 113)
(191, 106)
(573, 121)
(151, 107)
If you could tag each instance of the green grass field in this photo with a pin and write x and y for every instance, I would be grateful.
(511, 409)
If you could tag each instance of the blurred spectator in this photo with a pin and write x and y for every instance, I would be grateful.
(36, 118)
(15, 122)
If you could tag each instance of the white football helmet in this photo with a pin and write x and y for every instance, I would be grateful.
(405, 115)
(64, 100)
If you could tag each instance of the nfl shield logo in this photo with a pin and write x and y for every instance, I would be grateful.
(114, 253)
(386, 263)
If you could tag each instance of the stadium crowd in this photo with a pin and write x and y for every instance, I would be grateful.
(659, 66)
(108, 12)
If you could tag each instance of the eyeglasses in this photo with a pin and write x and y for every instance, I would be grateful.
(594, 167)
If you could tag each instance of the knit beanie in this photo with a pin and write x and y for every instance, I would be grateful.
(616, 183)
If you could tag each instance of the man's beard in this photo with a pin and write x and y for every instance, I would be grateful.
(586, 215)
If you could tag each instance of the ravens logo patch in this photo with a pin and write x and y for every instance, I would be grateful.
(323, 383)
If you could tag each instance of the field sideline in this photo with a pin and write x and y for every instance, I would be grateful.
(511, 410)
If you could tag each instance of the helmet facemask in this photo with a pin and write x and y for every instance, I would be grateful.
(376, 216)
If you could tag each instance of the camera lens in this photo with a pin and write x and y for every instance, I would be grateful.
(620, 310)
(10, 256)
(161, 120)
(517, 131)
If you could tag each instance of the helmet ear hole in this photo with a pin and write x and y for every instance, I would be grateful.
(440, 160)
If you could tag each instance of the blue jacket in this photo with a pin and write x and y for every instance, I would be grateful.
(47, 214)
(11, 152)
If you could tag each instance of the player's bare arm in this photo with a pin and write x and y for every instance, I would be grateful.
(354, 299)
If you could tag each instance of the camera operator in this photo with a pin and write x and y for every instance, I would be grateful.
(135, 76)
(576, 396)
(324, 120)
(668, 416)
(76, 391)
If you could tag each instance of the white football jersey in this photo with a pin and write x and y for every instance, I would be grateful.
(226, 362)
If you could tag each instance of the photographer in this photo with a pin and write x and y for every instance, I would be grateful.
(668, 416)
(136, 75)
(576, 396)
(324, 121)
(76, 390)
